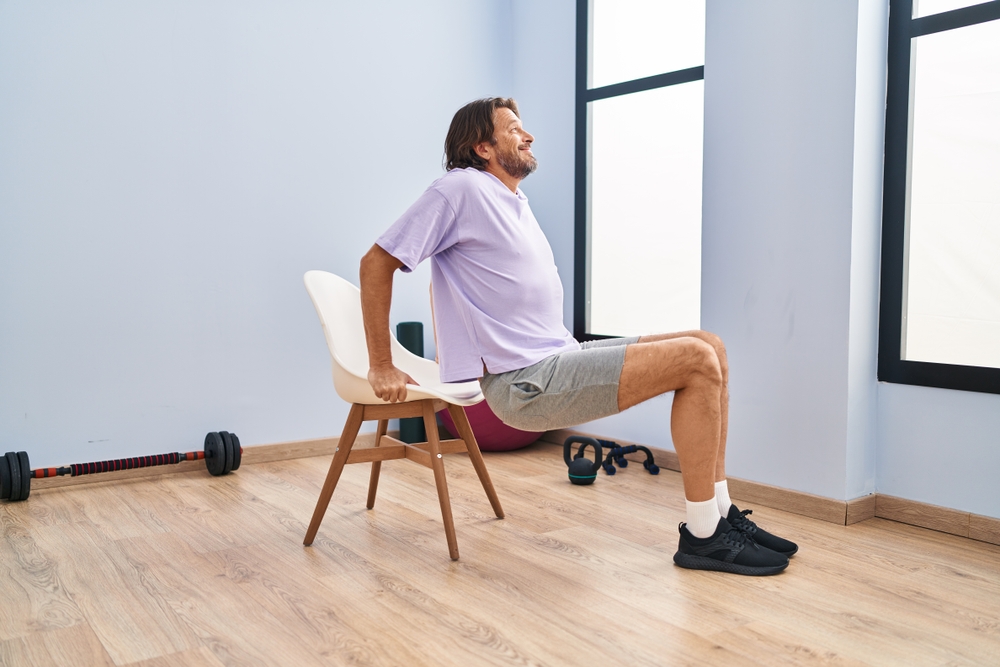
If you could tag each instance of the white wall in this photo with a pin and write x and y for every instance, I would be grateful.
(866, 235)
(939, 446)
(169, 170)
(779, 138)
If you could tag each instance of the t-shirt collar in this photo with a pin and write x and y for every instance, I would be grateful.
(520, 195)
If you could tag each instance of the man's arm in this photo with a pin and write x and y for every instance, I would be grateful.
(377, 270)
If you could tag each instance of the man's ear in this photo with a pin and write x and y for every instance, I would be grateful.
(484, 150)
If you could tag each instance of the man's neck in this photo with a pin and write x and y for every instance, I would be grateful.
(504, 177)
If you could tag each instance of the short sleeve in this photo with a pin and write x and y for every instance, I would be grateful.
(427, 228)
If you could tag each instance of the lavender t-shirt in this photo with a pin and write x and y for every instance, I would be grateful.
(497, 294)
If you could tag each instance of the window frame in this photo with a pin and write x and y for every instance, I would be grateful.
(891, 366)
(585, 95)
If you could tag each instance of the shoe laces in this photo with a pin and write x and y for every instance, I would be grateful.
(744, 524)
(739, 538)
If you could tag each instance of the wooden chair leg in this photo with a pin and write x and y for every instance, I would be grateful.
(383, 426)
(351, 428)
(458, 416)
(437, 464)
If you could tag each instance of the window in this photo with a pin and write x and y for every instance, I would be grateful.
(639, 119)
(939, 321)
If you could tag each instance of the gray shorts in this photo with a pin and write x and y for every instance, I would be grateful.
(560, 391)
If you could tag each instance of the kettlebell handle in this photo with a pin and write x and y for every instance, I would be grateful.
(583, 441)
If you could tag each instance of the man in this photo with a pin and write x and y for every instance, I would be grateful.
(498, 315)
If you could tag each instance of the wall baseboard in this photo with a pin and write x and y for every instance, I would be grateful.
(843, 512)
(943, 519)
(861, 509)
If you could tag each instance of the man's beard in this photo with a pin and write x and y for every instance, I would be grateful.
(515, 166)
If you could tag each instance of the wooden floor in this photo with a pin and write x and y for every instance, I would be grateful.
(186, 569)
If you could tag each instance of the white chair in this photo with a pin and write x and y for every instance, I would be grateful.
(338, 304)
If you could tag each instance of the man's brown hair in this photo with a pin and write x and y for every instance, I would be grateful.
(472, 125)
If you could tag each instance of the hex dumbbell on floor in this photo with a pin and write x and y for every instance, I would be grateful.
(222, 455)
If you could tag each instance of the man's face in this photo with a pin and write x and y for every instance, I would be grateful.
(513, 146)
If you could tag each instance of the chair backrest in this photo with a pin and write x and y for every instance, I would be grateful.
(338, 304)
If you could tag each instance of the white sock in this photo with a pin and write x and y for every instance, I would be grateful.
(703, 517)
(722, 496)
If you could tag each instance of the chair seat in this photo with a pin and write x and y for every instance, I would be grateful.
(357, 390)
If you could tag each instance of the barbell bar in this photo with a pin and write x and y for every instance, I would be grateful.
(222, 454)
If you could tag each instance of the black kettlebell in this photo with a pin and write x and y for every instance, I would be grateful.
(582, 470)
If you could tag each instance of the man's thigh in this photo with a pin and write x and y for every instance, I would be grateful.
(666, 364)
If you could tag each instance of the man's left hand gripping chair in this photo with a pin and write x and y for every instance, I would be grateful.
(338, 304)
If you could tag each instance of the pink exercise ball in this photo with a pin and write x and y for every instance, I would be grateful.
(491, 433)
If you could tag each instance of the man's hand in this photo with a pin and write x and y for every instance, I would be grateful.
(389, 383)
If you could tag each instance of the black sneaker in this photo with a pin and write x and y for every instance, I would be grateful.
(739, 521)
(728, 550)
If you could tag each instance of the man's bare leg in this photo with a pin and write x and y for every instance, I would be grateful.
(720, 350)
(685, 368)
(689, 367)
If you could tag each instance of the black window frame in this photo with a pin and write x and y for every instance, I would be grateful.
(891, 367)
(585, 95)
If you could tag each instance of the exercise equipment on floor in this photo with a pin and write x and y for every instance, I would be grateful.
(222, 454)
(617, 454)
(583, 471)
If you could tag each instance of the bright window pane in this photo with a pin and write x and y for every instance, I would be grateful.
(645, 232)
(928, 7)
(633, 39)
(952, 298)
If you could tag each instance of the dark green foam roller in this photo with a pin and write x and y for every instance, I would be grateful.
(411, 336)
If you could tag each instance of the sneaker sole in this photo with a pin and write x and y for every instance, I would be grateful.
(693, 562)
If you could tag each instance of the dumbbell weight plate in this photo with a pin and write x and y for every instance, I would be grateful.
(227, 441)
(15, 476)
(237, 452)
(22, 458)
(4, 478)
(215, 454)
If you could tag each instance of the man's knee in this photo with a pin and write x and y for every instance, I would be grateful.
(705, 363)
(715, 341)
(720, 350)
